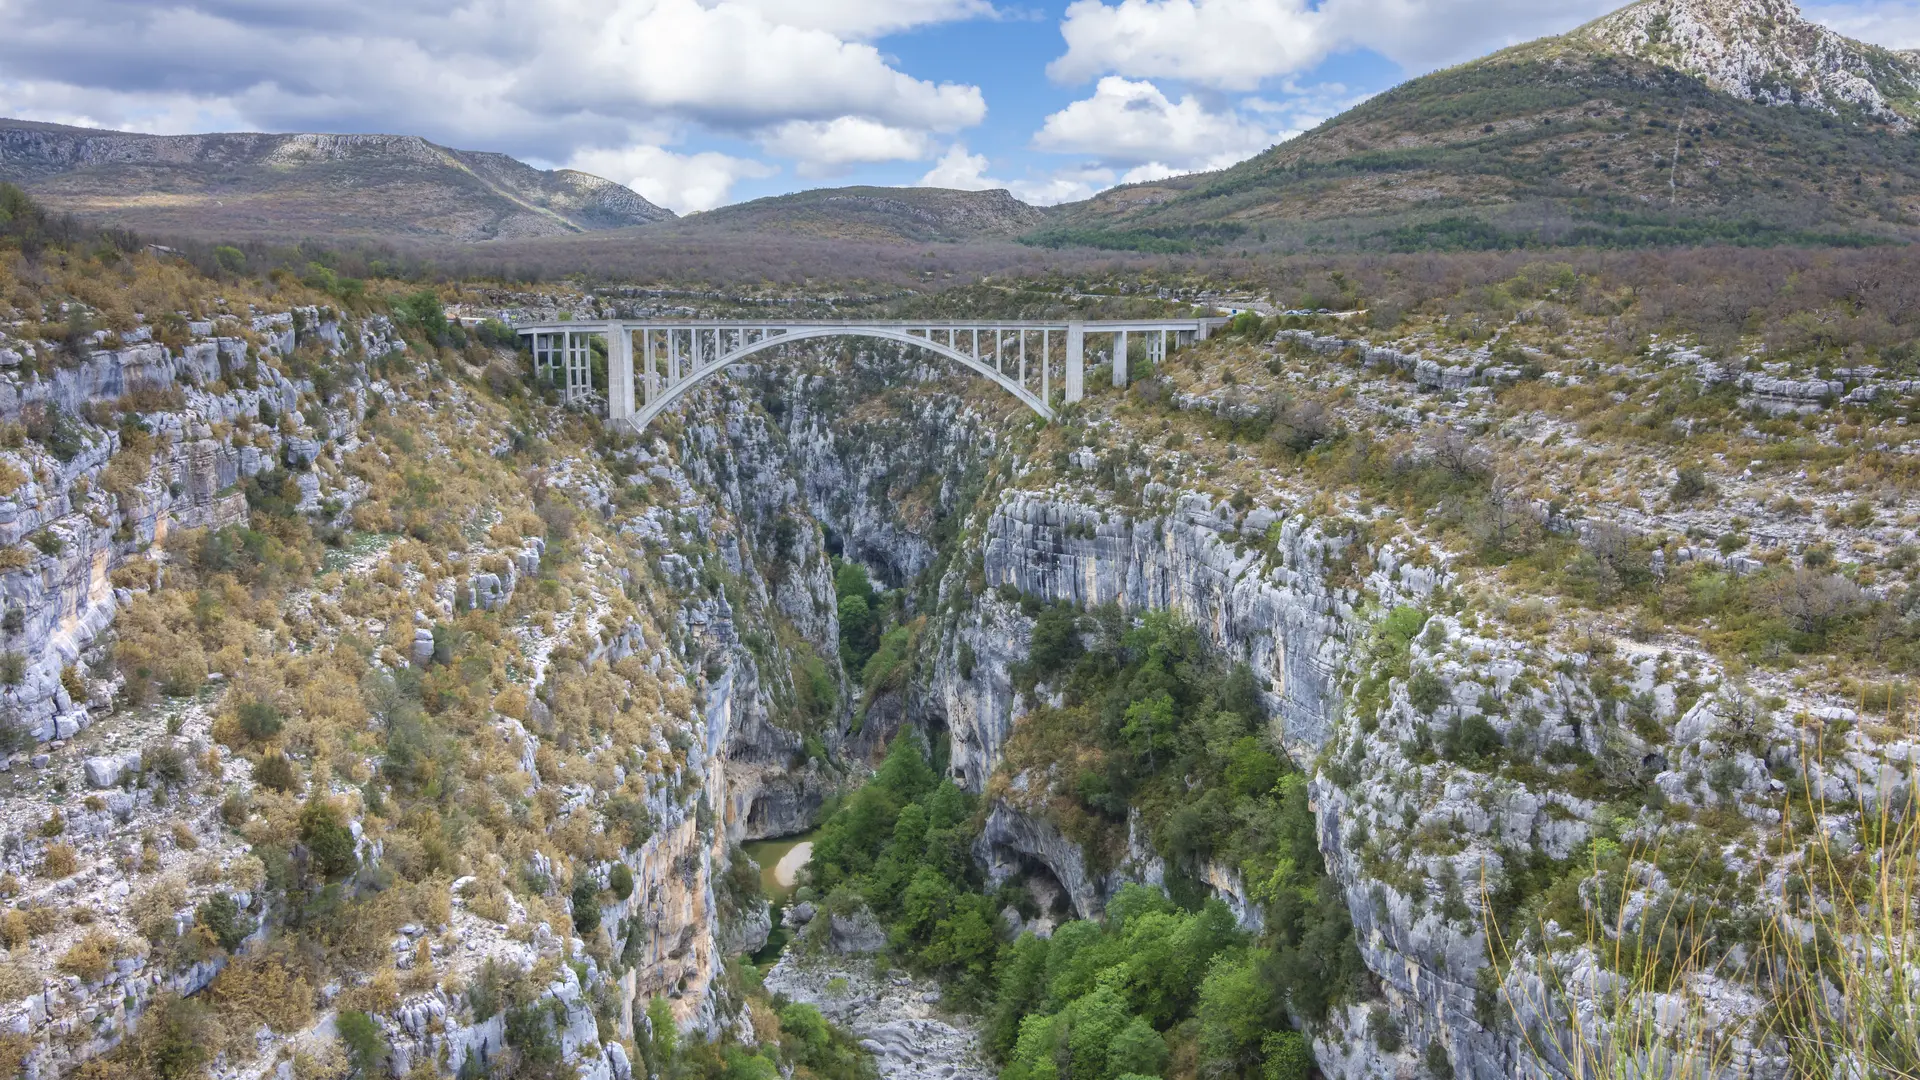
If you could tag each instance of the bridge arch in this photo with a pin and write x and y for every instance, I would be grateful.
(671, 394)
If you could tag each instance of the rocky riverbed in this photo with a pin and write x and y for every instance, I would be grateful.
(896, 1018)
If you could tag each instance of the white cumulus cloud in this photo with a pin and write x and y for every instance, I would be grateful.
(1133, 123)
(1238, 44)
(824, 148)
(548, 80)
(1894, 24)
(958, 168)
(868, 18)
(682, 183)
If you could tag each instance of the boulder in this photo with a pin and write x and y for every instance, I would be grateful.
(855, 932)
(105, 772)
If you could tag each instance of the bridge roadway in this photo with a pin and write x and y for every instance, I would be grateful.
(678, 355)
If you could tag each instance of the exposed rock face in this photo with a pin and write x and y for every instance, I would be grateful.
(893, 1016)
(1207, 562)
(1764, 51)
(65, 596)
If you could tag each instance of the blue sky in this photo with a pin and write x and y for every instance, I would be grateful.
(697, 103)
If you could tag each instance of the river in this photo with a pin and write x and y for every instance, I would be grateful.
(780, 862)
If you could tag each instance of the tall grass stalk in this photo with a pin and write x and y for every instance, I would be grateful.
(1845, 947)
(1833, 981)
(1627, 1003)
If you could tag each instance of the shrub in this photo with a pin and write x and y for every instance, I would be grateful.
(1691, 485)
(259, 720)
(1425, 691)
(366, 1046)
(166, 764)
(60, 861)
(14, 931)
(75, 684)
(1384, 1029)
(91, 957)
(176, 1038)
(13, 668)
(586, 906)
(1473, 739)
(620, 880)
(224, 920)
(275, 773)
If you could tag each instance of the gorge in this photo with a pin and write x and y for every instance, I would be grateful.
(380, 715)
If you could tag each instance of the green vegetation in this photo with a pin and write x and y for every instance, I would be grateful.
(859, 621)
(795, 1042)
(1155, 240)
(901, 846)
(1614, 230)
(1150, 721)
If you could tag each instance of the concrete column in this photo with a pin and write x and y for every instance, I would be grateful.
(673, 358)
(653, 372)
(1120, 359)
(1076, 361)
(1201, 334)
(1046, 368)
(619, 372)
(1023, 358)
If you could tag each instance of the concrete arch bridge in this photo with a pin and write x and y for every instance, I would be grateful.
(1037, 362)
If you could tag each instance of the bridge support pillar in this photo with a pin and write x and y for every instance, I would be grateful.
(1120, 359)
(619, 372)
(1076, 361)
(653, 367)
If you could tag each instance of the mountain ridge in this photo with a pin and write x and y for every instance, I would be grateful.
(1577, 138)
(249, 183)
(910, 214)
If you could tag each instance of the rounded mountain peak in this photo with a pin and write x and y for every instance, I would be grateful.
(1765, 51)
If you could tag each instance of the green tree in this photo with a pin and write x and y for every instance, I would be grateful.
(1095, 1022)
(662, 1043)
(859, 622)
(1288, 1056)
(1022, 989)
(1150, 727)
(330, 844)
(366, 1045)
(173, 1037)
(1236, 1010)
(1138, 1049)
(424, 312)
